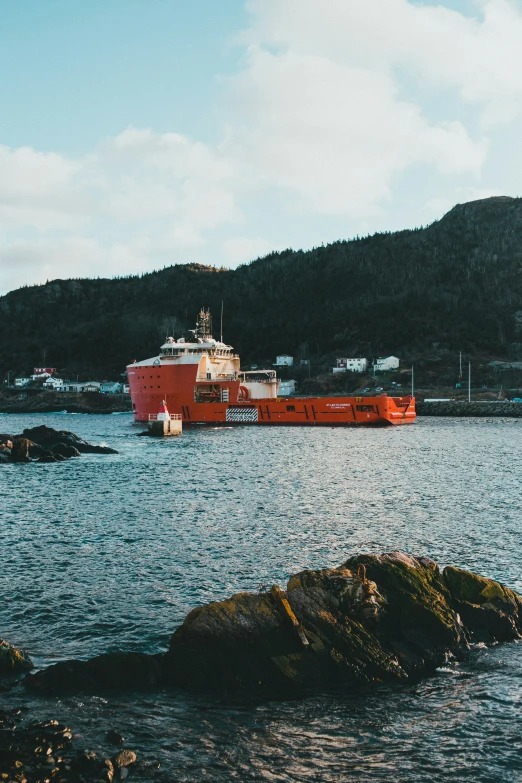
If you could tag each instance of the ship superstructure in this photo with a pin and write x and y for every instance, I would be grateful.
(200, 379)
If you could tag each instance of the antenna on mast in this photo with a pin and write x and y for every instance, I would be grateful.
(221, 320)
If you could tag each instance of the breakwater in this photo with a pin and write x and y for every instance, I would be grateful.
(511, 410)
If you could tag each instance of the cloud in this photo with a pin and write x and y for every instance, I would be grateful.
(337, 135)
(336, 112)
(34, 188)
(479, 56)
(140, 200)
(28, 262)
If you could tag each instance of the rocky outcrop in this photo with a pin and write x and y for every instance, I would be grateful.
(375, 618)
(13, 660)
(45, 444)
(50, 438)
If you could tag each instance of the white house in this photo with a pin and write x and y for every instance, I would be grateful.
(22, 381)
(388, 363)
(284, 360)
(72, 386)
(56, 384)
(286, 388)
(111, 387)
(40, 376)
(351, 365)
(83, 386)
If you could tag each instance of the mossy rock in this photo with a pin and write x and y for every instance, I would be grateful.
(490, 611)
(375, 618)
(467, 586)
(13, 660)
(416, 595)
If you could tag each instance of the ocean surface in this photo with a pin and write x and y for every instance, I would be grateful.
(111, 552)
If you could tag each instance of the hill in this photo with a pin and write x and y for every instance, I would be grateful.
(454, 285)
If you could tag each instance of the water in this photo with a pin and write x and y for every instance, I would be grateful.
(111, 552)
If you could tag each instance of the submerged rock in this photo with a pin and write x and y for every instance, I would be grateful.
(114, 737)
(39, 751)
(373, 619)
(13, 660)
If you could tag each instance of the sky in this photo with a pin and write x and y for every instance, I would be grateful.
(135, 135)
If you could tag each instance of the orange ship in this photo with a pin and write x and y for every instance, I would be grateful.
(200, 379)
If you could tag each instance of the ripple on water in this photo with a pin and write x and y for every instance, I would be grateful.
(111, 553)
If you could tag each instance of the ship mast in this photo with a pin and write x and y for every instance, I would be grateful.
(204, 325)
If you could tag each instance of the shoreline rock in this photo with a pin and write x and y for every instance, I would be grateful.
(45, 444)
(37, 751)
(43, 401)
(13, 660)
(376, 618)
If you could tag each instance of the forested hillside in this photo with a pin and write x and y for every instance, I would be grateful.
(456, 283)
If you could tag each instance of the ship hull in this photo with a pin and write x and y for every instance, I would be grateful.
(304, 411)
(202, 391)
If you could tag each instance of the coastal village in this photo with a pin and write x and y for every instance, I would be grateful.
(48, 379)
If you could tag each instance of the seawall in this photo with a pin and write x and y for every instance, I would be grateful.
(511, 410)
(52, 402)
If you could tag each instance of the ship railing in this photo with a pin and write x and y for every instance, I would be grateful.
(258, 376)
(172, 416)
(216, 378)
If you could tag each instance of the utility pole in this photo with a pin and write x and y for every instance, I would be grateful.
(460, 374)
(412, 383)
(469, 381)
